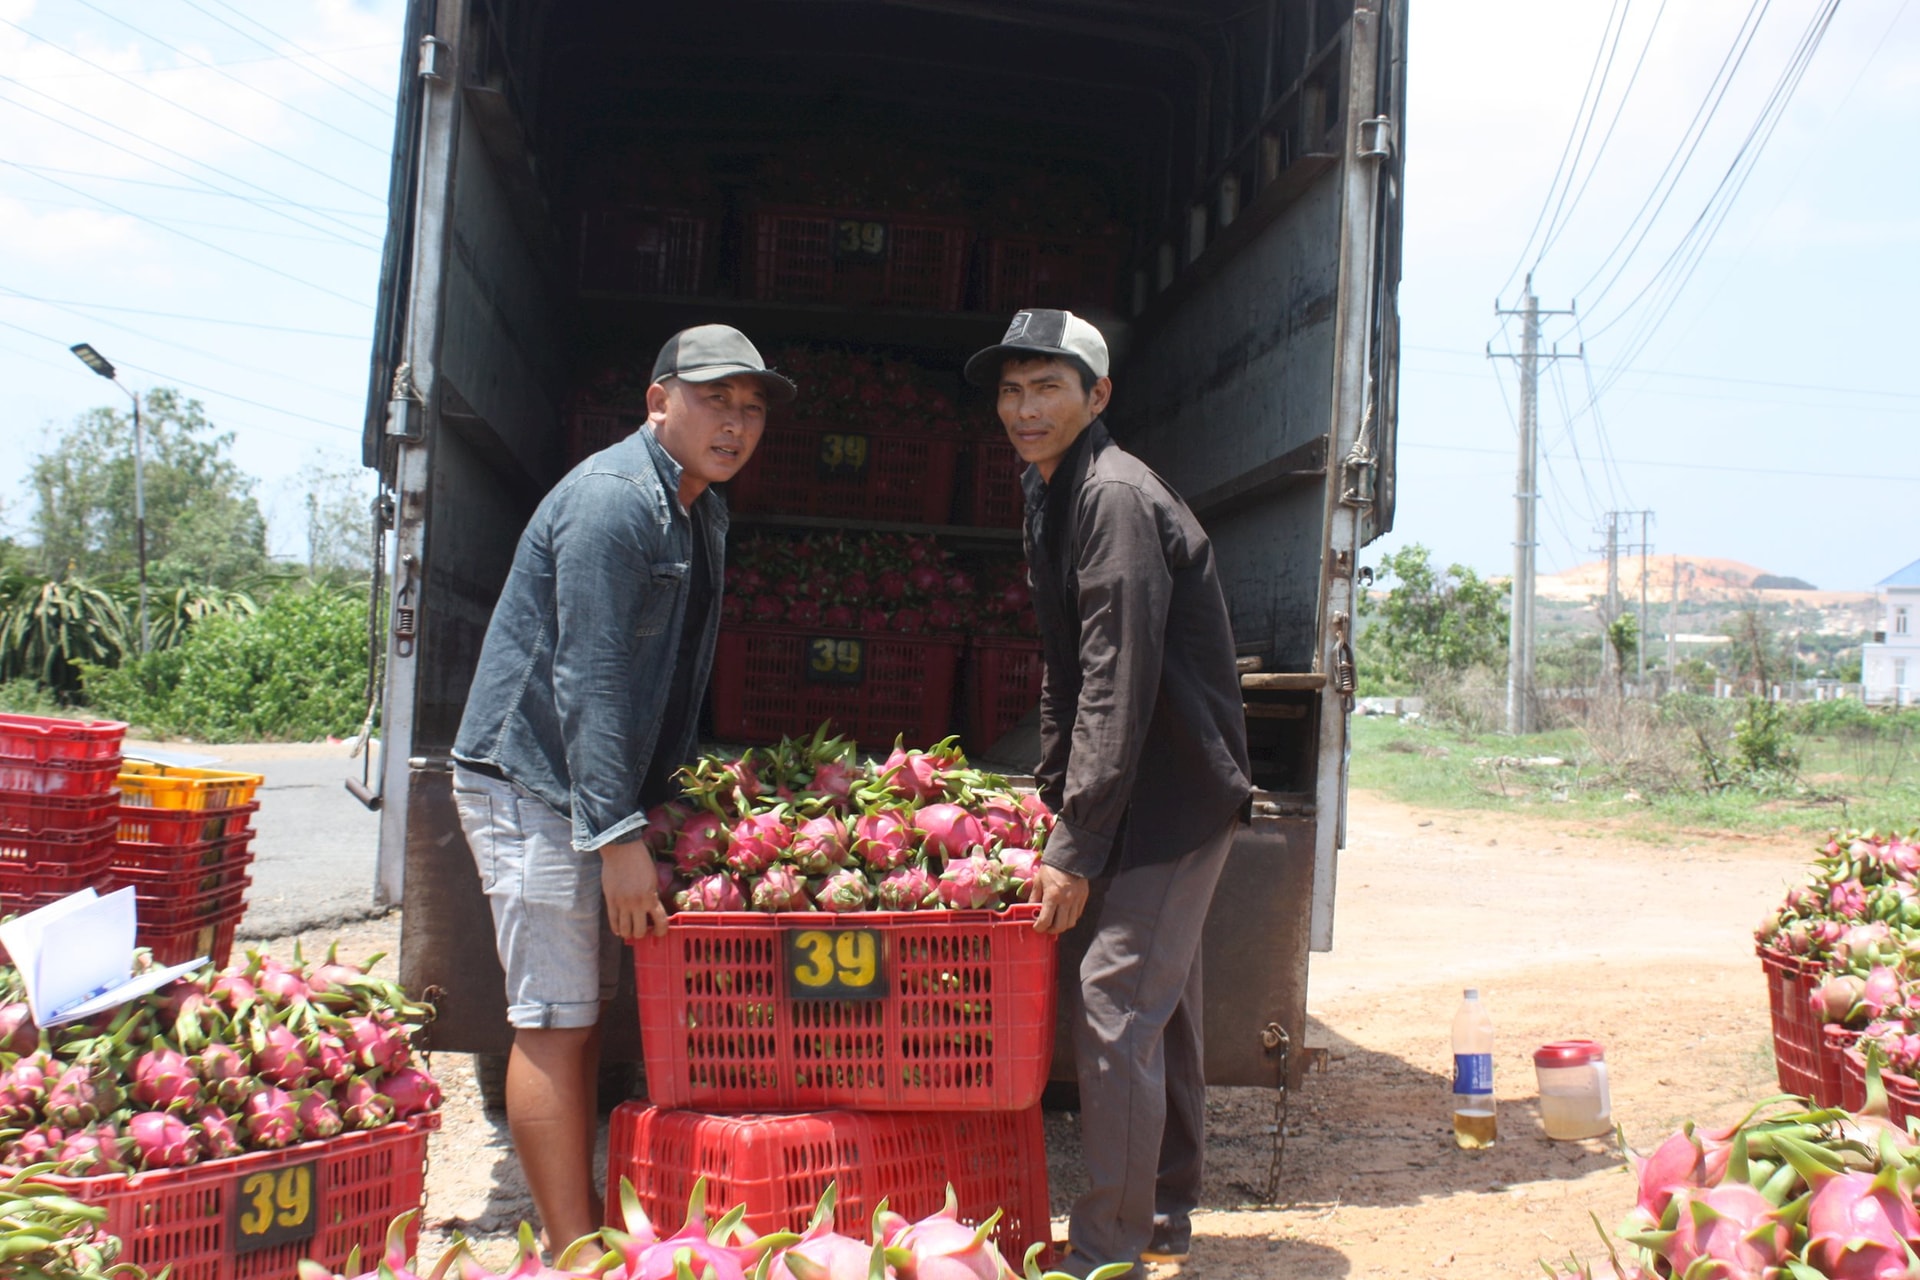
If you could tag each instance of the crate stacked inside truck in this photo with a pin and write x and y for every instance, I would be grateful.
(795, 1036)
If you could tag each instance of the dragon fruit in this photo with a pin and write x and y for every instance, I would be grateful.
(715, 892)
(35, 1146)
(821, 1253)
(393, 1263)
(697, 1248)
(758, 841)
(317, 1115)
(701, 844)
(219, 1133)
(163, 1079)
(1676, 1164)
(917, 775)
(970, 883)
(18, 1034)
(412, 1091)
(949, 830)
(279, 1057)
(234, 990)
(941, 1247)
(663, 825)
(226, 1073)
(272, 1118)
(1847, 899)
(884, 840)
(833, 779)
(1004, 821)
(820, 846)
(844, 890)
(1017, 867)
(1836, 999)
(364, 1106)
(782, 888)
(23, 1090)
(1731, 1228)
(1111, 1270)
(93, 1150)
(81, 1095)
(159, 1140)
(907, 889)
(332, 1060)
(1880, 992)
(375, 1041)
(283, 985)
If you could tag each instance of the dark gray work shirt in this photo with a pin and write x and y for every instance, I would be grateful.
(1142, 723)
(573, 693)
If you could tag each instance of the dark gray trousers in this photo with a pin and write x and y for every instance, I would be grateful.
(1143, 1094)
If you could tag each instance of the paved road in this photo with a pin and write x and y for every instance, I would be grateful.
(313, 856)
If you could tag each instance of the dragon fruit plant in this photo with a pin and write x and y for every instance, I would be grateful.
(807, 825)
(267, 1055)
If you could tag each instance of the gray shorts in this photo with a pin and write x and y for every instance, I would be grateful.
(549, 918)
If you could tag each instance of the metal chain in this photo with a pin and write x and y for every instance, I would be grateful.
(1278, 1042)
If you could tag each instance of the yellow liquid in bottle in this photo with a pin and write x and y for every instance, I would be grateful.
(1473, 1130)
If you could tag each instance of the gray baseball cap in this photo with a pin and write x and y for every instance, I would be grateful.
(709, 352)
(1040, 332)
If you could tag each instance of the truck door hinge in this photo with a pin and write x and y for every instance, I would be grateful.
(1376, 138)
(435, 56)
(1345, 679)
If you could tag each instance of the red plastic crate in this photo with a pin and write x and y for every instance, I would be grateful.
(636, 249)
(964, 1020)
(32, 815)
(826, 469)
(1836, 1042)
(1003, 684)
(179, 911)
(1796, 1034)
(591, 430)
(187, 883)
(183, 831)
(860, 259)
(778, 1166)
(762, 691)
(48, 739)
(1903, 1092)
(68, 778)
(177, 945)
(995, 499)
(57, 853)
(1070, 274)
(197, 1220)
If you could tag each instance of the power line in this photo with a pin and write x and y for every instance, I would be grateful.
(192, 350)
(195, 222)
(383, 102)
(1668, 464)
(255, 89)
(208, 244)
(379, 214)
(226, 62)
(1622, 10)
(1480, 356)
(221, 125)
(177, 315)
(365, 239)
(1566, 150)
(1683, 152)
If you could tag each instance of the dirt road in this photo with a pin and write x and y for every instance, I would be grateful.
(1647, 949)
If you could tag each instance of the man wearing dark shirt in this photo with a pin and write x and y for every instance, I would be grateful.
(582, 707)
(1143, 759)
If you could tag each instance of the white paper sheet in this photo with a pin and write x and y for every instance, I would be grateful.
(76, 956)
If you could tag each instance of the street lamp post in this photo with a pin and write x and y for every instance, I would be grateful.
(104, 367)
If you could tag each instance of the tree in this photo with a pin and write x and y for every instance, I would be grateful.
(335, 506)
(203, 522)
(1431, 622)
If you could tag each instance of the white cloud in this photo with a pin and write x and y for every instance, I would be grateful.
(68, 235)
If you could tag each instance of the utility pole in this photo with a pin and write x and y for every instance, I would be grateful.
(1526, 495)
(1640, 650)
(1618, 523)
(1673, 623)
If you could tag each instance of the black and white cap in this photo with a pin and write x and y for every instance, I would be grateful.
(1040, 332)
(709, 352)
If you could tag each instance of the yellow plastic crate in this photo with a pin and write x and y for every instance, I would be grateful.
(162, 786)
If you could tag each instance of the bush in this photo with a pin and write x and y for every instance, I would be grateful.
(295, 670)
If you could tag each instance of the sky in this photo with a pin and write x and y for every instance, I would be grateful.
(197, 188)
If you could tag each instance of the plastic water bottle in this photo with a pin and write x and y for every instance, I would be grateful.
(1473, 1114)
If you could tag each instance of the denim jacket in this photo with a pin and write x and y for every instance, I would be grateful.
(572, 685)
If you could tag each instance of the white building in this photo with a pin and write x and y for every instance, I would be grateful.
(1890, 666)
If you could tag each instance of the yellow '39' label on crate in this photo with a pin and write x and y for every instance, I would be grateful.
(276, 1206)
(836, 964)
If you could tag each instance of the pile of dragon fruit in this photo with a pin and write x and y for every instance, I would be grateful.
(808, 826)
(1788, 1192)
(263, 1056)
(937, 1247)
(874, 583)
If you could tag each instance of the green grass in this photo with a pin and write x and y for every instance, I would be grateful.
(1845, 781)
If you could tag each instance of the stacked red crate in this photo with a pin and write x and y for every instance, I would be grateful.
(185, 845)
(57, 806)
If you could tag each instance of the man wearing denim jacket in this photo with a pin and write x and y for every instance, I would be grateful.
(582, 708)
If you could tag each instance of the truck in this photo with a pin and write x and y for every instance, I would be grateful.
(1251, 154)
